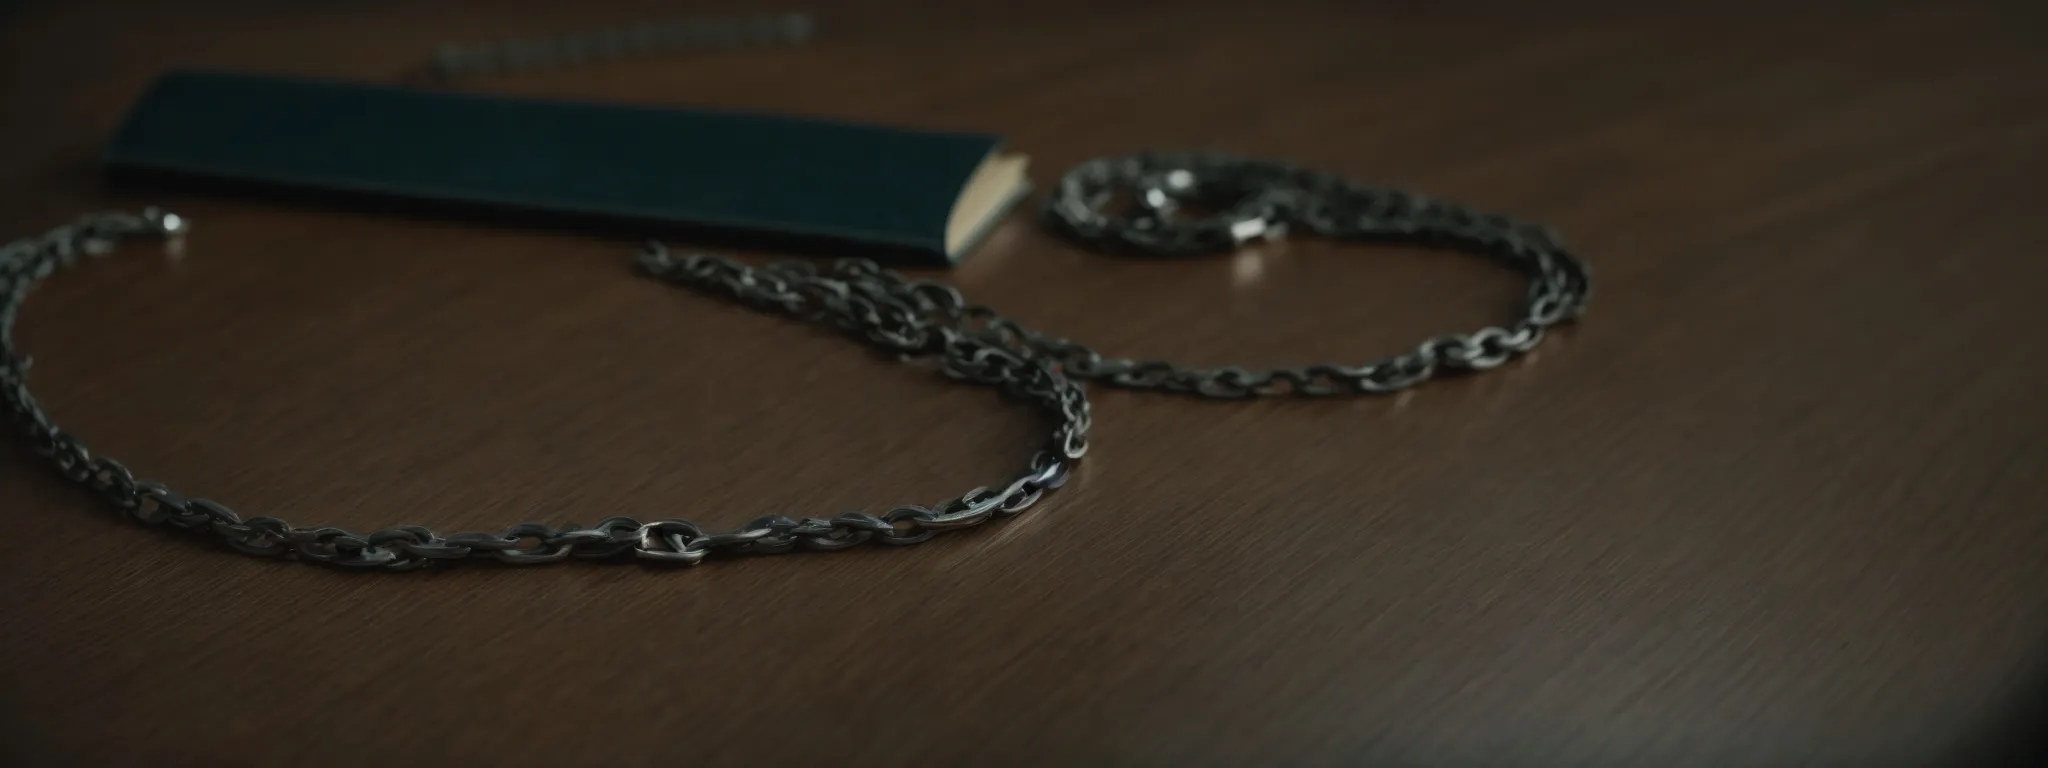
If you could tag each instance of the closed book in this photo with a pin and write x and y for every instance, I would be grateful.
(927, 195)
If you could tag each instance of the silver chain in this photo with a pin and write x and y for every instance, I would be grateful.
(1262, 199)
(913, 318)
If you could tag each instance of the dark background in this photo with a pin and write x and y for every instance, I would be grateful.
(1778, 499)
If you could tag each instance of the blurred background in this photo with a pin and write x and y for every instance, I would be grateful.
(1777, 500)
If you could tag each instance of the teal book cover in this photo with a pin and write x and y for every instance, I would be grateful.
(928, 196)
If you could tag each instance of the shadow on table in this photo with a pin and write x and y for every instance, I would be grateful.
(134, 183)
(2019, 735)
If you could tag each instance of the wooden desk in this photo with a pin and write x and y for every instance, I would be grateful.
(1778, 499)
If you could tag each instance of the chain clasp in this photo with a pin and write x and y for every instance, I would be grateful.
(1248, 214)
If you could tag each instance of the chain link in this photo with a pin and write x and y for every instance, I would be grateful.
(914, 318)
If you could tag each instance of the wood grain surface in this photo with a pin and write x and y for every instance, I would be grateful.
(1778, 499)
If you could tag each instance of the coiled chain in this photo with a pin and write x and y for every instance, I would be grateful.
(1262, 199)
(916, 319)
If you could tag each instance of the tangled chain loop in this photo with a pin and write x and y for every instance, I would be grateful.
(1261, 199)
(917, 319)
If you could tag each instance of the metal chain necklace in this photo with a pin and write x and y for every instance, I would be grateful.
(919, 319)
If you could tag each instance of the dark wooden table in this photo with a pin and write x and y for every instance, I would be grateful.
(1778, 499)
